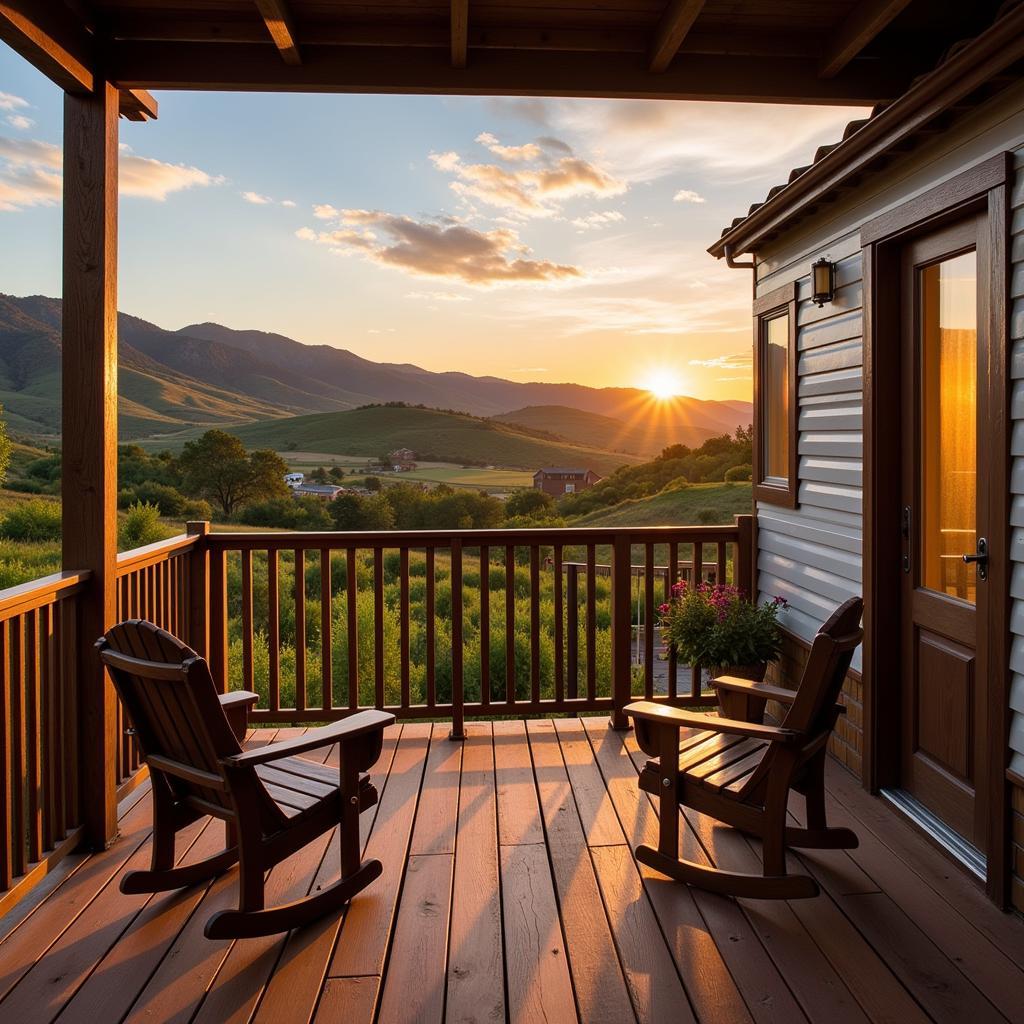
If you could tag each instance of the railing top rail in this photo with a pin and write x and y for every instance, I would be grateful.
(138, 558)
(471, 538)
(39, 593)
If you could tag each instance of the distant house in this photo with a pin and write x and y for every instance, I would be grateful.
(294, 480)
(558, 480)
(402, 459)
(328, 492)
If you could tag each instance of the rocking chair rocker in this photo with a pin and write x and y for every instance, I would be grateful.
(740, 771)
(272, 801)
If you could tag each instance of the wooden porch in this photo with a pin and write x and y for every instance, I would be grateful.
(510, 893)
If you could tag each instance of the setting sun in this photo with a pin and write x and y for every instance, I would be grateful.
(662, 383)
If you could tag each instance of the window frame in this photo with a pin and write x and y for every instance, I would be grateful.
(768, 307)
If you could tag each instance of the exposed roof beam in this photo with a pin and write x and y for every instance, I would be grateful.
(677, 20)
(860, 26)
(53, 39)
(138, 105)
(460, 32)
(154, 65)
(279, 24)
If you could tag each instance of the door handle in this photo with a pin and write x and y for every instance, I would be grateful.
(980, 558)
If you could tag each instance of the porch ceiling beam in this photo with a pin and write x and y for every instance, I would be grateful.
(279, 24)
(860, 26)
(460, 32)
(138, 105)
(50, 37)
(155, 65)
(675, 23)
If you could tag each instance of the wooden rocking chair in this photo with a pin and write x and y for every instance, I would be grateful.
(734, 768)
(272, 801)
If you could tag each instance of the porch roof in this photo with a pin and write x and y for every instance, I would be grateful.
(849, 51)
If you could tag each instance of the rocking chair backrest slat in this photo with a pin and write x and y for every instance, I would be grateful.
(170, 697)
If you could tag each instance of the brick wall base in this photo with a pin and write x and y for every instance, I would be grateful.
(847, 742)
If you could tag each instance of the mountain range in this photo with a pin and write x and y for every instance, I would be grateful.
(210, 375)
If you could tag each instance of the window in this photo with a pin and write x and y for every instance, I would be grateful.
(570, 488)
(775, 401)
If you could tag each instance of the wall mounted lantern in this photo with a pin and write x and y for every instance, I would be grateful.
(823, 281)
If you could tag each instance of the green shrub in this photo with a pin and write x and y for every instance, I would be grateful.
(32, 520)
(14, 571)
(737, 473)
(141, 526)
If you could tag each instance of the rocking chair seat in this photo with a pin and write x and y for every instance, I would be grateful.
(301, 787)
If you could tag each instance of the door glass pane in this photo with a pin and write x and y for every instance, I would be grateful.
(775, 403)
(949, 399)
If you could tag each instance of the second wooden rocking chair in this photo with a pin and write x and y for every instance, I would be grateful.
(272, 801)
(740, 771)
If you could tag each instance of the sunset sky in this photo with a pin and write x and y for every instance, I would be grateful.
(551, 240)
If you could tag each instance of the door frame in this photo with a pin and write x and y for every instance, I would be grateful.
(981, 189)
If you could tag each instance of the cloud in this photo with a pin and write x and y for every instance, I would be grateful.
(325, 212)
(599, 219)
(256, 199)
(8, 101)
(733, 361)
(437, 296)
(444, 249)
(20, 122)
(290, 203)
(687, 195)
(31, 175)
(552, 172)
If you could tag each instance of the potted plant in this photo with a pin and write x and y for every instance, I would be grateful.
(716, 627)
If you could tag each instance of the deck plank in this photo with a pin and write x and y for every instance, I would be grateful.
(351, 1000)
(476, 986)
(518, 818)
(728, 974)
(597, 973)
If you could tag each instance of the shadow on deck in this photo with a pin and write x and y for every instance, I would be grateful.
(510, 893)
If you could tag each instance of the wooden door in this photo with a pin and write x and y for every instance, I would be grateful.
(944, 518)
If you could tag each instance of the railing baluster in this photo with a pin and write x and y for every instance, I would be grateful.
(300, 629)
(572, 628)
(671, 578)
(247, 630)
(430, 626)
(510, 624)
(18, 745)
(7, 867)
(352, 614)
(53, 755)
(591, 622)
(219, 618)
(485, 626)
(34, 727)
(721, 576)
(404, 612)
(559, 627)
(274, 629)
(458, 709)
(649, 620)
(326, 645)
(535, 623)
(622, 583)
(378, 625)
(698, 579)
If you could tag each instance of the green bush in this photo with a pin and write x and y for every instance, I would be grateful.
(141, 526)
(32, 520)
(737, 473)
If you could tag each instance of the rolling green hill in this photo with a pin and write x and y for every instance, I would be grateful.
(432, 434)
(645, 432)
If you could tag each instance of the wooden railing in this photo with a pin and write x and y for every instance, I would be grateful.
(39, 797)
(416, 623)
(321, 624)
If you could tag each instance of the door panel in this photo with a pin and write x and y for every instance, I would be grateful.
(944, 601)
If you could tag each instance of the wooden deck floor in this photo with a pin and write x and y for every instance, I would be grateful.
(510, 893)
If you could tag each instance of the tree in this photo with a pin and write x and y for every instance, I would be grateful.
(528, 503)
(5, 448)
(319, 475)
(217, 467)
(372, 483)
(354, 512)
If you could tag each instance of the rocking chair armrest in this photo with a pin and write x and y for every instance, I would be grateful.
(357, 726)
(236, 706)
(663, 714)
(750, 688)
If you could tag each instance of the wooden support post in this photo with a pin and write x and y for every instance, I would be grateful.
(89, 429)
(622, 682)
(743, 570)
(198, 622)
(458, 731)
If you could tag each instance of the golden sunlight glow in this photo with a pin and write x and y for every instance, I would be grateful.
(662, 383)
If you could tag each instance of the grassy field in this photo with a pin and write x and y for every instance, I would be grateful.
(676, 508)
(447, 437)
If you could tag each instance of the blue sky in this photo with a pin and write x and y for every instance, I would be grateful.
(531, 239)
